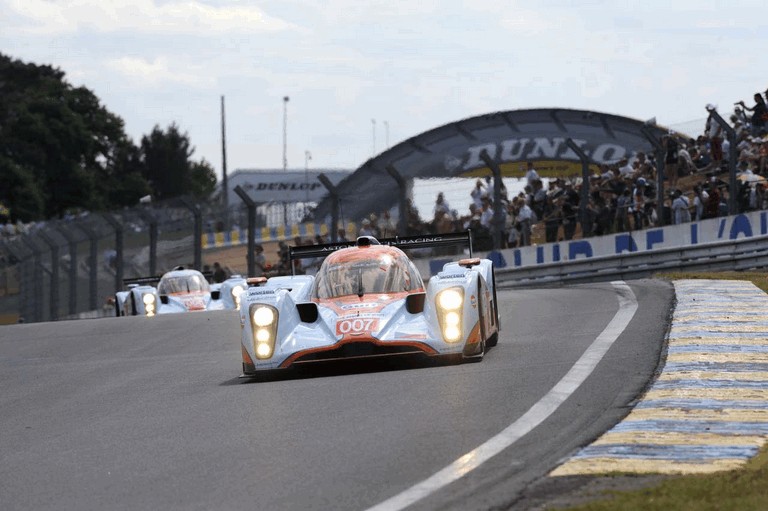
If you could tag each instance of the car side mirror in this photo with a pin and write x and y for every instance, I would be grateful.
(215, 295)
(164, 299)
(415, 303)
(308, 312)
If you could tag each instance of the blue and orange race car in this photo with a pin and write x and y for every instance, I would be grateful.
(369, 300)
(179, 290)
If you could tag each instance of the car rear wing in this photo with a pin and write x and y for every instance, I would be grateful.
(154, 280)
(401, 242)
(431, 240)
(141, 281)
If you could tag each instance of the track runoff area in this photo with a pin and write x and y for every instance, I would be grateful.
(706, 412)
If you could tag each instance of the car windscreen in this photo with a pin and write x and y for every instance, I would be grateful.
(182, 284)
(384, 274)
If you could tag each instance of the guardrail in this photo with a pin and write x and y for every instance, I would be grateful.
(738, 255)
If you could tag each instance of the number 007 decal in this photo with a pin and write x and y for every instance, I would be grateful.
(356, 325)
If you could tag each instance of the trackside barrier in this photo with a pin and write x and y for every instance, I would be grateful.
(239, 236)
(740, 255)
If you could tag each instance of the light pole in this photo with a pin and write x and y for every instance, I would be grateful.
(307, 157)
(224, 184)
(285, 132)
(373, 123)
(386, 134)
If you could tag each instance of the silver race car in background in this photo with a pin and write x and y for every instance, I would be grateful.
(179, 290)
(369, 300)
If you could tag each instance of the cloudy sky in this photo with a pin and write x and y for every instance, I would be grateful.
(407, 65)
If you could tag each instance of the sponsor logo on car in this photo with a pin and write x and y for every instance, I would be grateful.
(365, 305)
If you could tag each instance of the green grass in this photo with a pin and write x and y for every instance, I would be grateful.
(745, 489)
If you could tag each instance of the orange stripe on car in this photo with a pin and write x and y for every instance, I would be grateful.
(246, 357)
(418, 345)
(474, 335)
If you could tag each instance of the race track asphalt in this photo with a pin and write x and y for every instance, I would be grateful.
(148, 413)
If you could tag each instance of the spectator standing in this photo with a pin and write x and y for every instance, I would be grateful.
(759, 113)
(539, 198)
(365, 228)
(477, 194)
(712, 204)
(638, 204)
(219, 274)
(260, 262)
(623, 207)
(387, 226)
(625, 169)
(284, 266)
(486, 217)
(513, 238)
(680, 212)
(552, 218)
(531, 174)
(525, 218)
(715, 134)
(685, 161)
(570, 208)
(699, 200)
(671, 158)
(441, 206)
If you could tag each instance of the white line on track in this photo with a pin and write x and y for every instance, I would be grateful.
(532, 418)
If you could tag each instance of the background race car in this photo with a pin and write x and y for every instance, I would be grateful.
(369, 300)
(179, 290)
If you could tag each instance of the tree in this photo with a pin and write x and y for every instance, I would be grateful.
(61, 150)
(20, 194)
(59, 141)
(166, 157)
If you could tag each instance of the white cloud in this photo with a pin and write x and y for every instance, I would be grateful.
(142, 16)
(158, 71)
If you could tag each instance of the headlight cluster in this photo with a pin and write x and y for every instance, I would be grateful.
(149, 304)
(264, 327)
(450, 307)
(236, 292)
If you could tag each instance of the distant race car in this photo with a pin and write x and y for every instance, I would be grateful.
(369, 300)
(179, 290)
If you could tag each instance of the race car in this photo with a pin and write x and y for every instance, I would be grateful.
(369, 300)
(179, 290)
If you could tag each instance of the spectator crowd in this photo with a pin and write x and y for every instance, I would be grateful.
(621, 197)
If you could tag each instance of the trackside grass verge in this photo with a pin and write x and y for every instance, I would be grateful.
(745, 489)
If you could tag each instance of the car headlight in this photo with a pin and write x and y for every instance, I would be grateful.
(450, 308)
(236, 292)
(450, 298)
(264, 329)
(149, 303)
(263, 315)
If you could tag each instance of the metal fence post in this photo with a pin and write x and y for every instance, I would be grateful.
(498, 219)
(660, 156)
(151, 220)
(585, 161)
(72, 243)
(93, 268)
(118, 228)
(251, 227)
(402, 186)
(333, 192)
(197, 241)
(27, 303)
(53, 302)
(36, 276)
(733, 207)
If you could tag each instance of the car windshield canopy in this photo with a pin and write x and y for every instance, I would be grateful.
(380, 273)
(175, 284)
